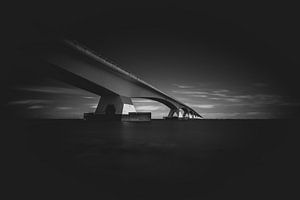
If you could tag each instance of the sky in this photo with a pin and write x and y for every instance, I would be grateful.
(224, 63)
(64, 101)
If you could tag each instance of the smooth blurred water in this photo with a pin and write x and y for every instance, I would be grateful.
(151, 160)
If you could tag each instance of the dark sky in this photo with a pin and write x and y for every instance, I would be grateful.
(226, 60)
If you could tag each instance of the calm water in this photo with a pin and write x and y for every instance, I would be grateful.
(152, 160)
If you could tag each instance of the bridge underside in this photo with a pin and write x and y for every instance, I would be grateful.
(83, 69)
(111, 101)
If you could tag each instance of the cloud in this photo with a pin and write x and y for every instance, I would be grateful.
(181, 98)
(228, 96)
(254, 113)
(204, 94)
(183, 86)
(190, 92)
(199, 95)
(148, 108)
(205, 106)
(36, 107)
(220, 94)
(260, 115)
(221, 115)
(244, 96)
(93, 105)
(232, 99)
(242, 105)
(29, 102)
(239, 115)
(221, 91)
(216, 98)
(63, 108)
(142, 101)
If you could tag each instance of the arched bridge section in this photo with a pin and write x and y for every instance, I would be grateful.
(80, 66)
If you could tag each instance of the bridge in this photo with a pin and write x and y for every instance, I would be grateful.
(80, 66)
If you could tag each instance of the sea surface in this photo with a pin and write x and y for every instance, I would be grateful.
(197, 159)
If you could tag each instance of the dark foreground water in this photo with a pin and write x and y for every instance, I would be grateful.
(203, 159)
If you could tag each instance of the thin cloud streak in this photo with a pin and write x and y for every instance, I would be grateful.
(221, 91)
(199, 95)
(224, 96)
(232, 99)
(29, 101)
(36, 107)
(89, 97)
(220, 115)
(189, 92)
(148, 108)
(64, 108)
(183, 86)
(92, 105)
(142, 101)
(205, 106)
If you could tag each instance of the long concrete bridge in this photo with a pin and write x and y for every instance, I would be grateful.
(84, 68)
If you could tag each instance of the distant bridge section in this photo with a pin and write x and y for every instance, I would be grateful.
(88, 70)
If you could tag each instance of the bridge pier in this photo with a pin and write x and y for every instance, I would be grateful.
(115, 104)
(185, 114)
(172, 112)
(180, 115)
(77, 65)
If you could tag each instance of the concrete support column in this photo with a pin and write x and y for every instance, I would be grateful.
(173, 111)
(185, 113)
(180, 115)
(115, 104)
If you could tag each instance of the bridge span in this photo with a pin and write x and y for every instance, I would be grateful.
(80, 66)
